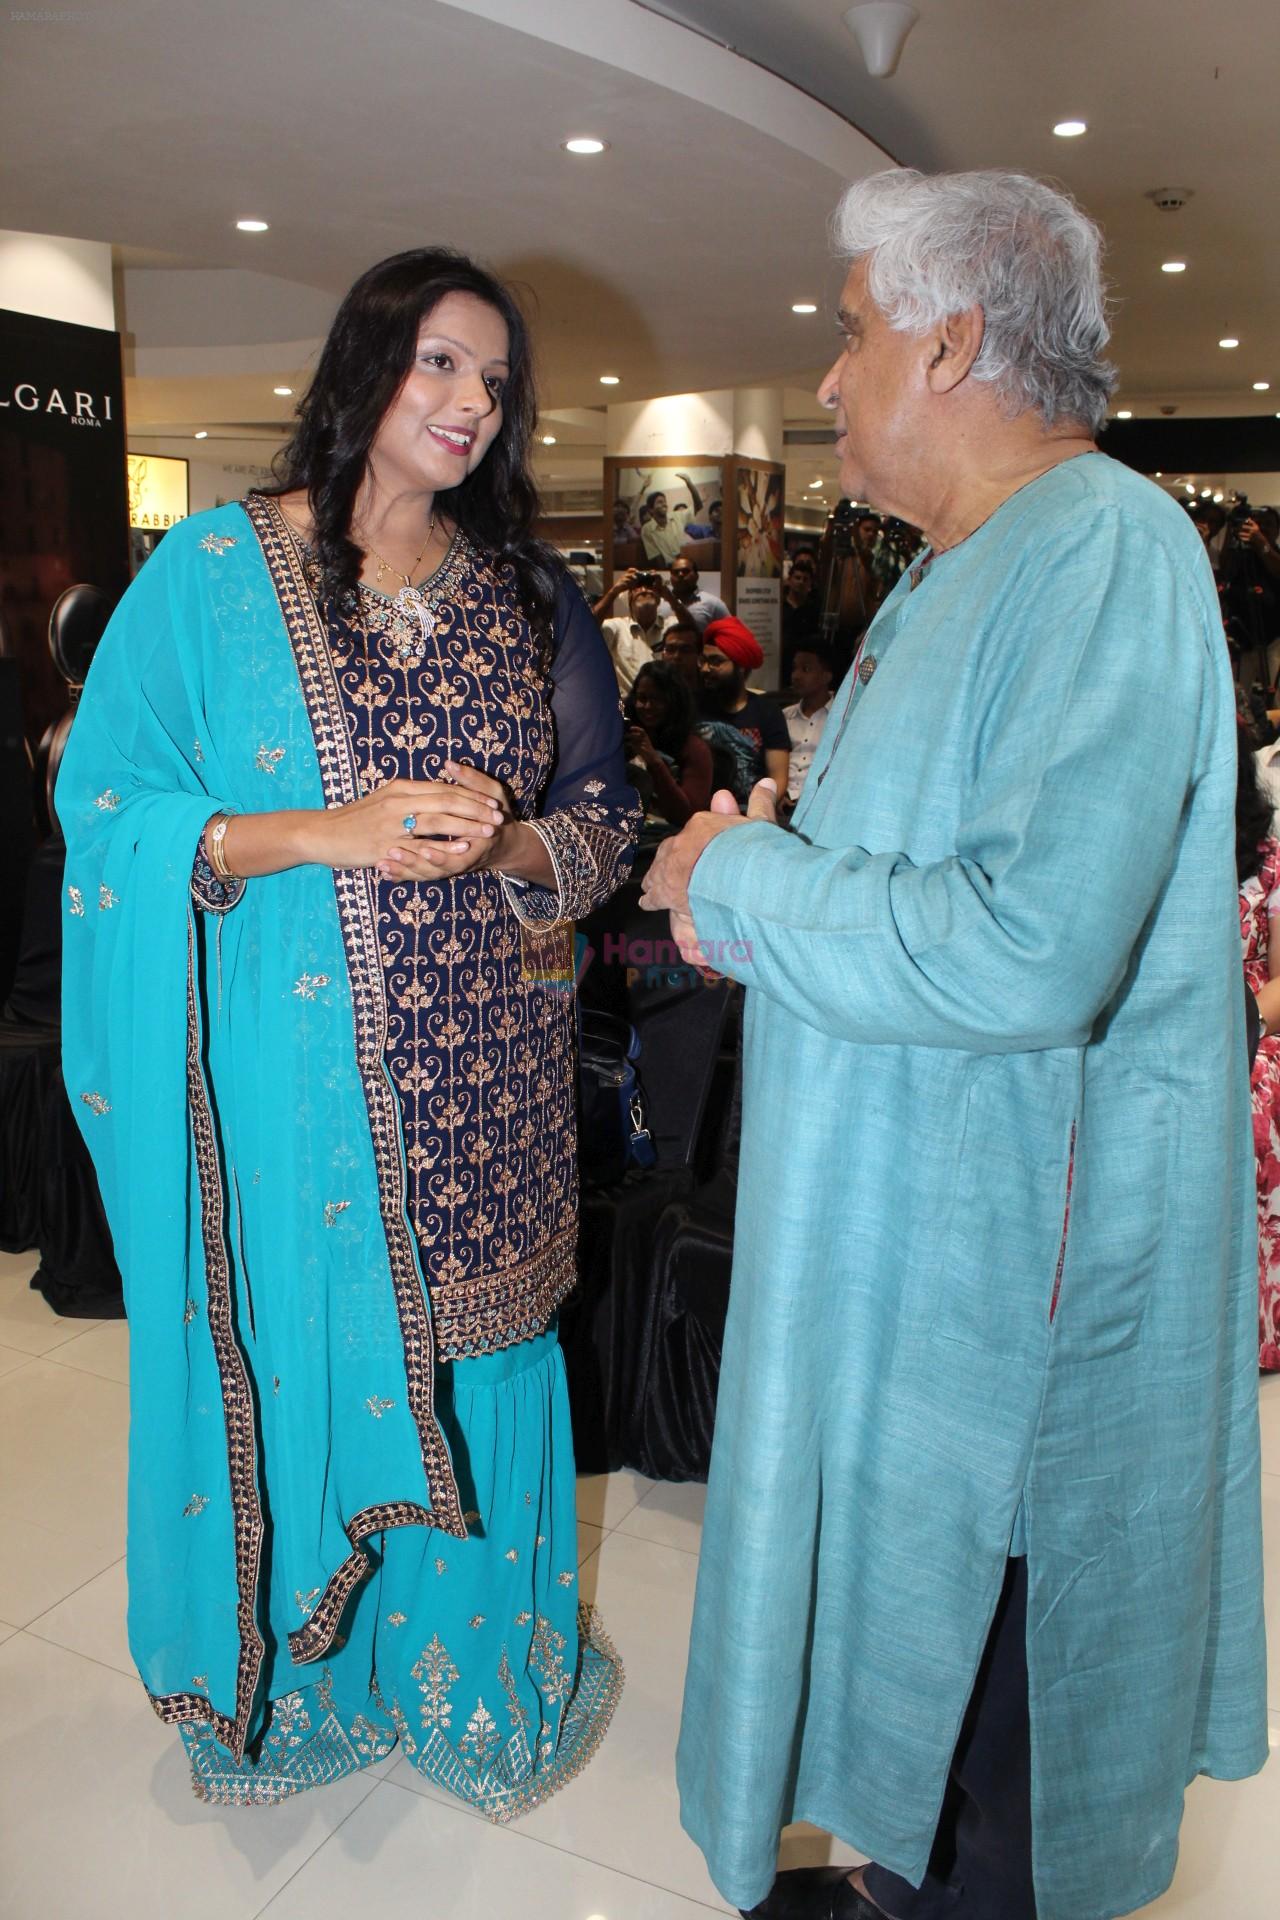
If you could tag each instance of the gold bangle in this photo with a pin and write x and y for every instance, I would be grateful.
(216, 834)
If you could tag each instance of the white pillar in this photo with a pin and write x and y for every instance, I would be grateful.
(57, 279)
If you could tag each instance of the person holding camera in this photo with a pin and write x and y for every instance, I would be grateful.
(633, 637)
(688, 599)
(1249, 585)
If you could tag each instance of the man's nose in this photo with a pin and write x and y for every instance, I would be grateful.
(828, 392)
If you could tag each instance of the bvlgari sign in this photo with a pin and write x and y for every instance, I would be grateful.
(64, 514)
(84, 410)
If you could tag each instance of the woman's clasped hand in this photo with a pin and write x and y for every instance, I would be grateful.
(456, 823)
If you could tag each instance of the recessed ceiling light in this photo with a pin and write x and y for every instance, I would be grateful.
(1070, 129)
(1205, 492)
(813, 484)
(1218, 498)
(283, 392)
(1159, 475)
(252, 226)
(1262, 386)
(203, 434)
(548, 439)
(1125, 413)
(1173, 266)
(1230, 341)
(585, 143)
(804, 306)
(608, 379)
(1189, 487)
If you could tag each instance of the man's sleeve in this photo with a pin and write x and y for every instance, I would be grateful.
(1021, 936)
(774, 731)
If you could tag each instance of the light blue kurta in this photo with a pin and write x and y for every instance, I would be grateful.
(1005, 920)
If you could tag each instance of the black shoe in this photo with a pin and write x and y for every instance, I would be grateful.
(813, 1893)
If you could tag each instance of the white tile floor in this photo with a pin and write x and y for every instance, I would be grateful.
(99, 1822)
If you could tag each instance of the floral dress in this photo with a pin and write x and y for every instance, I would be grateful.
(1256, 896)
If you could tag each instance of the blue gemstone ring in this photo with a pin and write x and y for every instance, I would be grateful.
(410, 822)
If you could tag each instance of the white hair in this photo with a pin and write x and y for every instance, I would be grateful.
(937, 244)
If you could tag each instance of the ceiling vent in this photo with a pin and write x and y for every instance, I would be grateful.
(1171, 199)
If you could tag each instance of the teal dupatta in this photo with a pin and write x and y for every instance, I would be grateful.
(272, 1217)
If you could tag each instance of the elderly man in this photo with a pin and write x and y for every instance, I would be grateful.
(981, 1580)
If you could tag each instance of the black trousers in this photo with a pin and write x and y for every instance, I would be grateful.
(980, 1866)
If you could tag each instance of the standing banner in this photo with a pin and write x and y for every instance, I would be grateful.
(64, 515)
(759, 497)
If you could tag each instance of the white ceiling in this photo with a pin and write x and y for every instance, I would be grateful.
(672, 259)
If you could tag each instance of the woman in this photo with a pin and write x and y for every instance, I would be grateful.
(1258, 869)
(347, 766)
(661, 718)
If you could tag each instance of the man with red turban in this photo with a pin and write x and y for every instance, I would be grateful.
(746, 732)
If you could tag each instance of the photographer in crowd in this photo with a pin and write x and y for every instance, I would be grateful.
(633, 637)
(688, 599)
(1249, 586)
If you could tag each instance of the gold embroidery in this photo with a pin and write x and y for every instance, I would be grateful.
(565, 1579)
(200, 1680)
(306, 1601)
(594, 787)
(238, 1413)
(541, 1540)
(442, 1566)
(396, 1619)
(107, 801)
(436, 1674)
(471, 1517)
(96, 1103)
(476, 1620)
(355, 895)
(332, 1208)
(309, 984)
(314, 1640)
(377, 1407)
(523, 1618)
(216, 543)
(308, 1742)
(512, 1555)
(195, 1505)
(267, 759)
(199, 750)
(481, 1737)
(546, 1657)
(106, 899)
(76, 898)
(189, 1312)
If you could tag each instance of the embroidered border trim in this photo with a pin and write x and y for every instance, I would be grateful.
(357, 916)
(313, 1641)
(500, 1309)
(597, 1691)
(237, 1411)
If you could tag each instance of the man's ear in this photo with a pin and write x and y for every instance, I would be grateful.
(955, 345)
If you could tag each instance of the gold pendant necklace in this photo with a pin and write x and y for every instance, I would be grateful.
(385, 566)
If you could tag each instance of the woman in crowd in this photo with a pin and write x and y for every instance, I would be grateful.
(661, 720)
(1258, 869)
(347, 766)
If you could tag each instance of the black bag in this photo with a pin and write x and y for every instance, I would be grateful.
(613, 1132)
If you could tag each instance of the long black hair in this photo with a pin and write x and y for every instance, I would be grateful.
(363, 365)
(682, 712)
(1253, 810)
